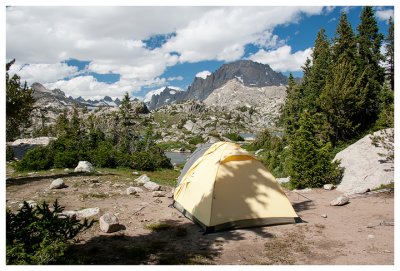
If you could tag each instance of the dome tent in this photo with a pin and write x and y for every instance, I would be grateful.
(224, 187)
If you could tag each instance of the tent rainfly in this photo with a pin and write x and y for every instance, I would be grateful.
(224, 187)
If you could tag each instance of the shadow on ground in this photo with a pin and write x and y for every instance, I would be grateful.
(29, 179)
(177, 244)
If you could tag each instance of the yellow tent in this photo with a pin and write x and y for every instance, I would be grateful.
(223, 186)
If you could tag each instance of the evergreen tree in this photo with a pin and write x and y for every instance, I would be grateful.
(340, 100)
(62, 125)
(318, 72)
(389, 55)
(127, 138)
(309, 162)
(386, 115)
(344, 43)
(19, 105)
(369, 56)
(292, 107)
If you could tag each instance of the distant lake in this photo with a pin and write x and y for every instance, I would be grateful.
(247, 135)
(177, 157)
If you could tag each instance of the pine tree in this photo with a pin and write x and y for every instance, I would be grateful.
(369, 56)
(292, 107)
(19, 105)
(389, 55)
(127, 138)
(318, 72)
(344, 43)
(340, 100)
(62, 125)
(309, 156)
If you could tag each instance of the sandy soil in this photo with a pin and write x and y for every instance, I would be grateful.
(359, 233)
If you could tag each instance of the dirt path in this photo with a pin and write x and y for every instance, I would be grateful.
(360, 232)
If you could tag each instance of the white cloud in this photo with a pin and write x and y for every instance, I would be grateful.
(111, 38)
(89, 88)
(282, 59)
(203, 74)
(385, 14)
(150, 94)
(176, 78)
(43, 72)
(223, 32)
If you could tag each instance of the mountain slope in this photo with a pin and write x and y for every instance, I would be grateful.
(249, 73)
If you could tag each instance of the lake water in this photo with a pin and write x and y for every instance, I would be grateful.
(177, 157)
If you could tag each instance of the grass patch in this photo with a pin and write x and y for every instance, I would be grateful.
(282, 250)
(157, 226)
(384, 186)
(94, 195)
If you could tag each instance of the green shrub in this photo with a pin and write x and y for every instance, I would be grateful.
(39, 158)
(66, 159)
(196, 140)
(150, 160)
(234, 137)
(9, 153)
(37, 235)
(104, 156)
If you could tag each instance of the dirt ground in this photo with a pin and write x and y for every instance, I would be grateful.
(359, 233)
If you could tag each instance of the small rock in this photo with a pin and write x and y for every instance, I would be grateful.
(133, 190)
(135, 173)
(158, 194)
(329, 186)
(324, 215)
(152, 186)
(283, 180)
(360, 190)
(57, 184)
(142, 179)
(66, 169)
(68, 214)
(84, 166)
(31, 203)
(219, 239)
(52, 169)
(371, 236)
(87, 212)
(339, 201)
(109, 223)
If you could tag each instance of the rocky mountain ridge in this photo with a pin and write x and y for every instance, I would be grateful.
(247, 72)
(57, 97)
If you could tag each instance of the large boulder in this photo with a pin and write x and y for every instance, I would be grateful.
(109, 223)
(142, 179)
(57, 184)
(22, 145)
(84, 166)
(364, 167)
(152, 186)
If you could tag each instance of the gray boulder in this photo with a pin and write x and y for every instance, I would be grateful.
(159, 194)
(363, 165)
(57, 184)
(329, 186)
(152, 186)
(109, 223)
(142, 179)
(133, 190)
(84, 166)
(339, 201)
(88, 212)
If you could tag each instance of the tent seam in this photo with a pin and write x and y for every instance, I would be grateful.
(215, 178)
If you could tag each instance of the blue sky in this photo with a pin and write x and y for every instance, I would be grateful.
(97, 51)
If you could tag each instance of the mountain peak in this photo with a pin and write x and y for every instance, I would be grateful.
(247, 72)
